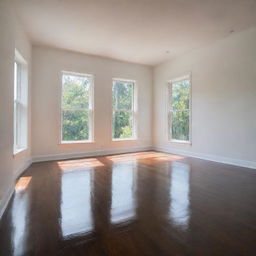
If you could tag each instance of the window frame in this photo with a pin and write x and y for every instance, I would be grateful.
(170, 110)
(133, 110)
(90, 109)
(20, 101)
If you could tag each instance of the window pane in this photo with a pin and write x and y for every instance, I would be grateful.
(122, 125)
(180, 95)
(15, 80)
(122, 95)
(75, 91)
(180, 125)
(75, 125)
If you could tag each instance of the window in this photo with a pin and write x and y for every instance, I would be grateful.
(123, 119)
(179, 112)
(77, 108)
(20, 103)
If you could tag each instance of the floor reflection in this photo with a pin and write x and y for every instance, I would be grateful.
(123, 206)
(76, 210)
(20, 216)
(179, 194)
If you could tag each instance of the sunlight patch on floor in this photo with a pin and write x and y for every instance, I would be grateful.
(79, 163)
(22, 183)
(158, 156)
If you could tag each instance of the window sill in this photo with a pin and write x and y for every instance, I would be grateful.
(128, 139)
(18, 151)
(76, 142)
(181, 142)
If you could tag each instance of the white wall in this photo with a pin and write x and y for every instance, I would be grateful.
(223, 100)
(12, 36)
(47, 66)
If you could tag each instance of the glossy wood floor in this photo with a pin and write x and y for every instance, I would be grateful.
(145, 203)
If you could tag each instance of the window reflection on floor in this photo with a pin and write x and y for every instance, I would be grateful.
(76, 202)
(123, 193)
(19, 216)
(179, 194)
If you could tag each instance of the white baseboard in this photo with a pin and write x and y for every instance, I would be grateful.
(24, 167)
(214, 158)
(5, 200)
(43, 158)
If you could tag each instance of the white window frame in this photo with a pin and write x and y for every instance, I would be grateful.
(20, 96)
(133, 110)
(90, 109)
(170, 110)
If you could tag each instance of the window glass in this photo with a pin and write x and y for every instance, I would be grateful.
(123, 119)
(122, 95)
(180, 95)
(179, 110)
(75, 91)
(77, 109)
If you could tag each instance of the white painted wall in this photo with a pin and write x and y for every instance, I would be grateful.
(46, 95)
(12, 36)
(223, 100)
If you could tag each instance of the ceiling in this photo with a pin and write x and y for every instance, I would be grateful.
(141, 31)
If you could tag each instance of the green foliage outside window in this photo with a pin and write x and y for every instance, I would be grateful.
(75, 107)
(75, 125)
(122, 100)
(180, 110)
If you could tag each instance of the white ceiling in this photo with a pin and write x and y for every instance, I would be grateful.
(138, 31)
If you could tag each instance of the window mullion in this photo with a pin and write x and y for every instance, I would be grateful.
(74, 109)
(179, 110)
(124, 110)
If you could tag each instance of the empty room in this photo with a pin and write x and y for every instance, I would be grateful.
(127, 127)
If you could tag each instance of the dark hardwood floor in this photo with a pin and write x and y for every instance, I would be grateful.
(145, 203)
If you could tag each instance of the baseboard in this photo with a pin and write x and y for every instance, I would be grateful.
(43, 158)
(5, 200)
(214, 158)
(24, 167)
